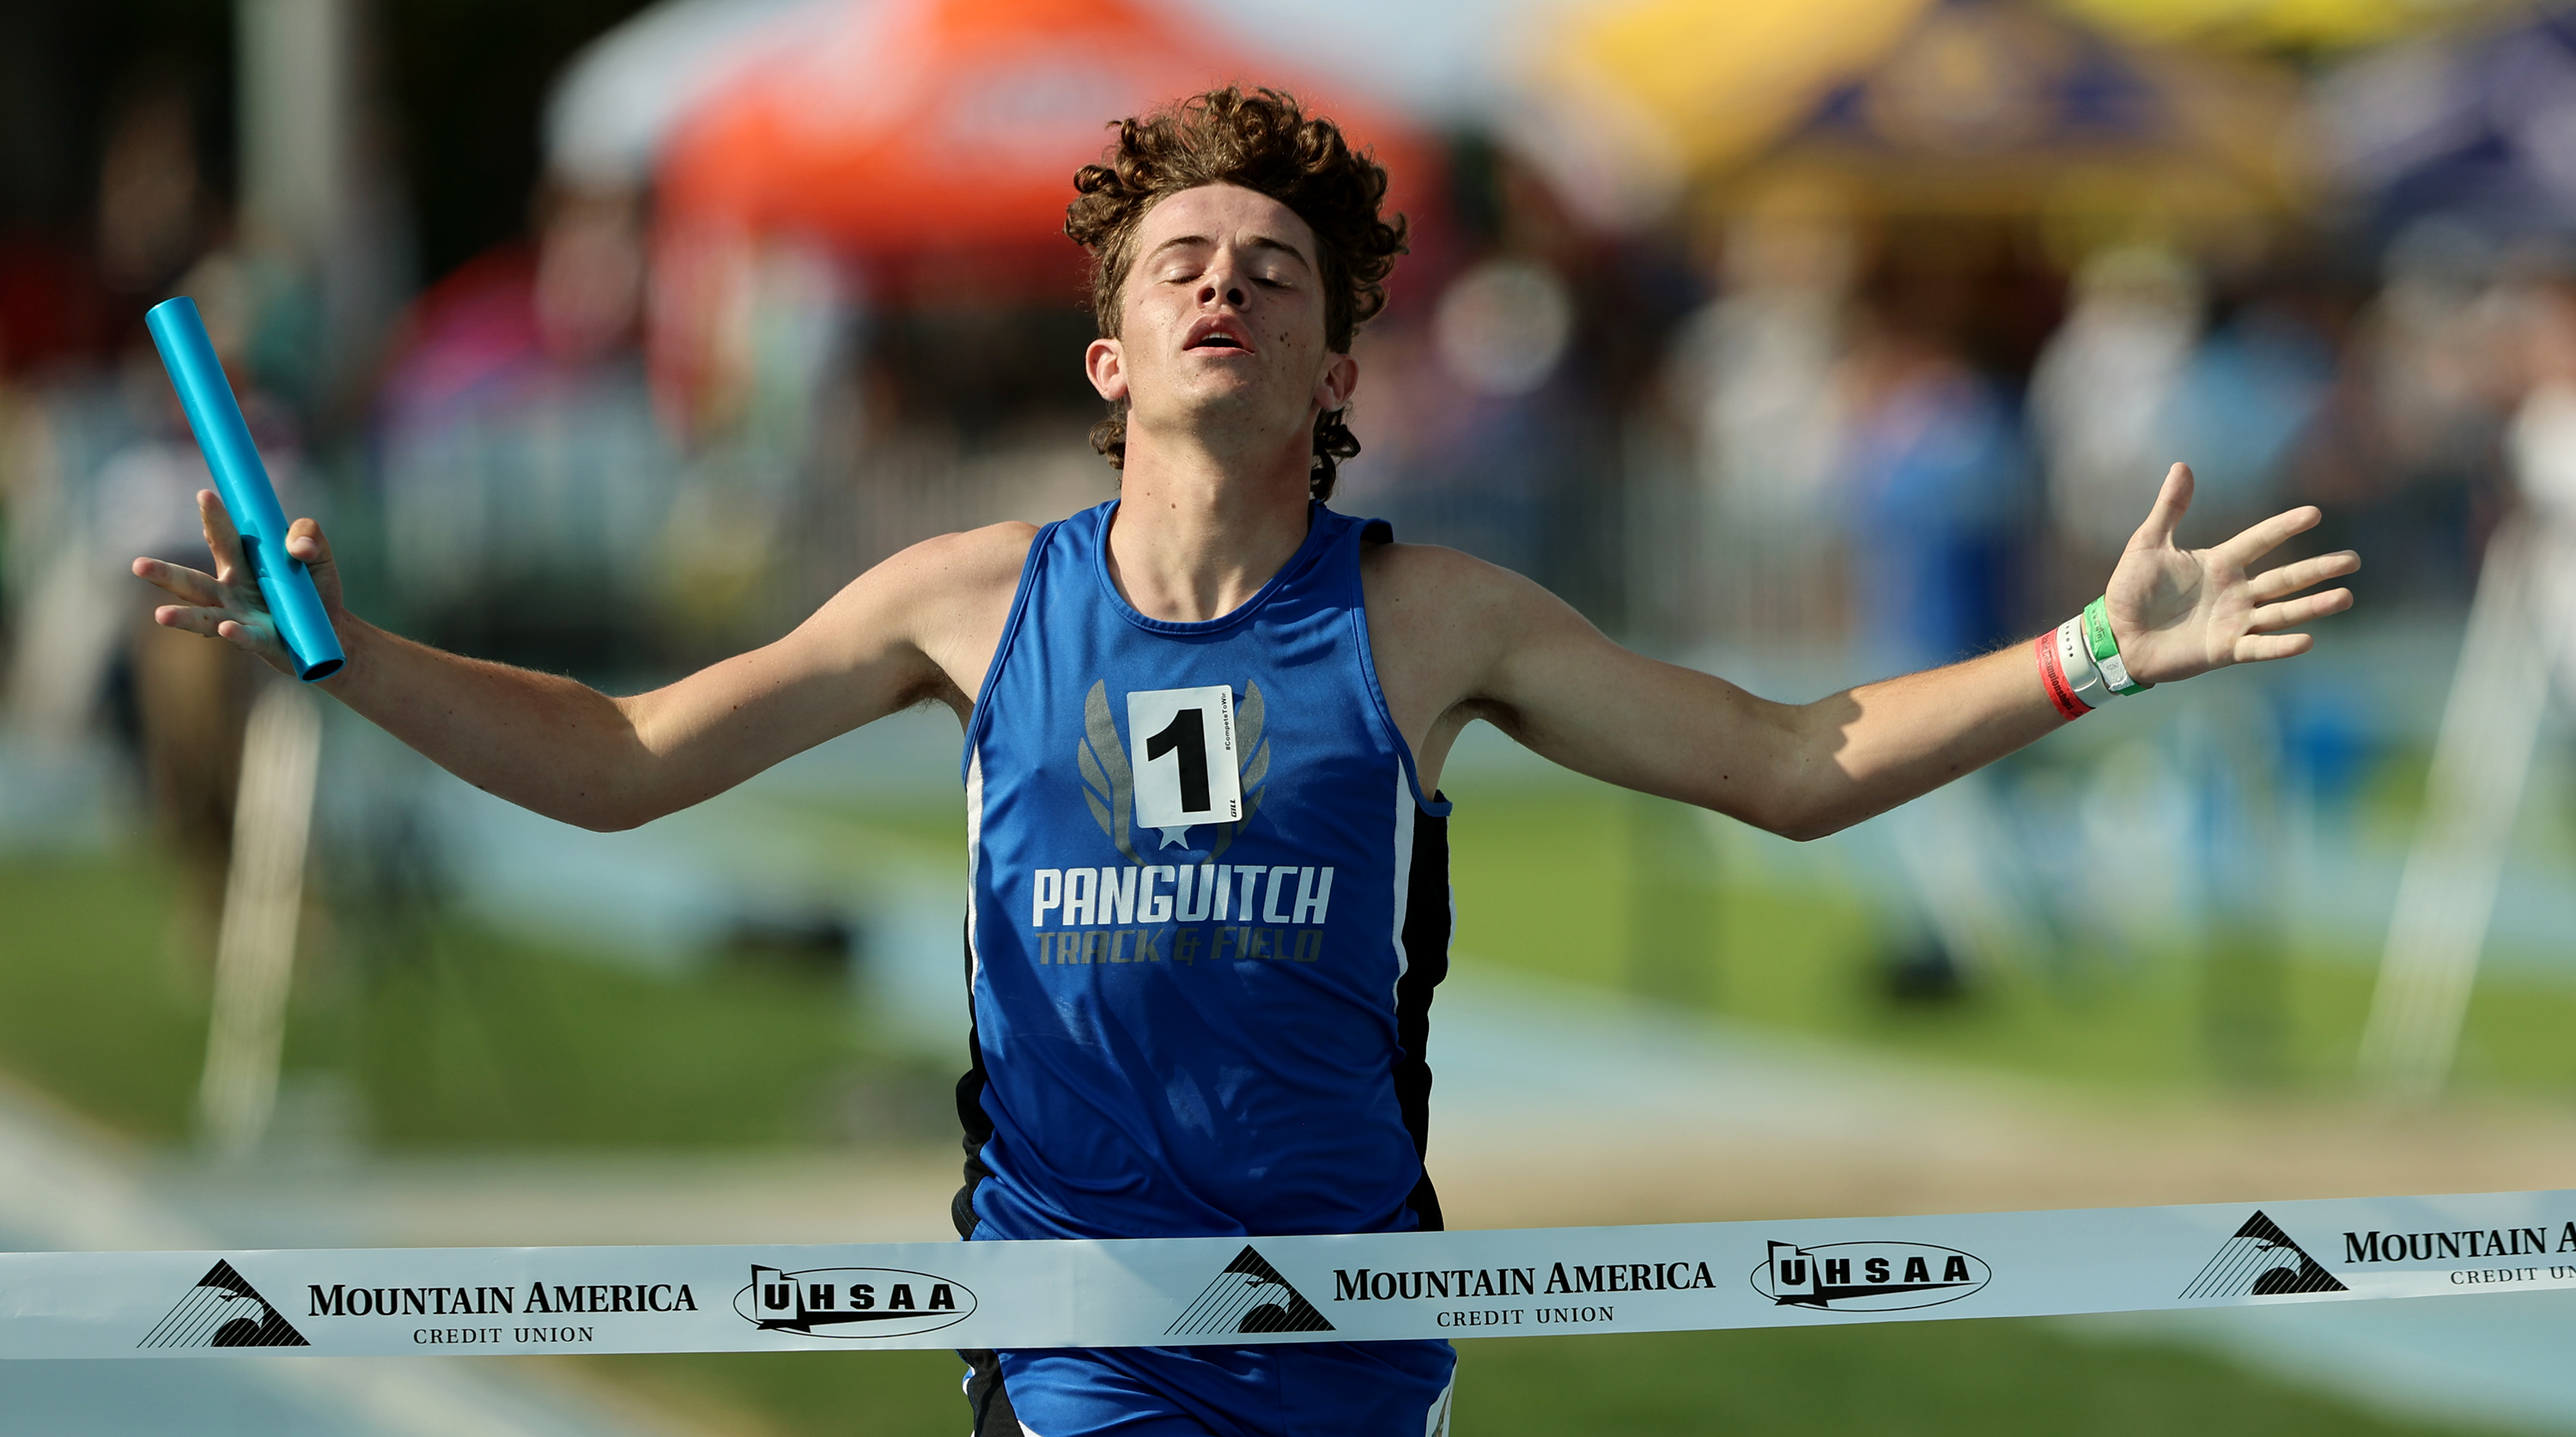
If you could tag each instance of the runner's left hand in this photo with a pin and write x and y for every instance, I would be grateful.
(2179, 612)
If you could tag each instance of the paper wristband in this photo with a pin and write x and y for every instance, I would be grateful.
(2075, 660)
(2106, 648)
(2052, 676)
(1235, 1290)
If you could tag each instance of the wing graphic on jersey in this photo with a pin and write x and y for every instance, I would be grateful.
(1248, 739)
(1109, 786)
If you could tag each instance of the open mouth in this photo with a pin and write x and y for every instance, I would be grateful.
(1217, 332)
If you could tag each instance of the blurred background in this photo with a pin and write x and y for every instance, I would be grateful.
(1804, 343)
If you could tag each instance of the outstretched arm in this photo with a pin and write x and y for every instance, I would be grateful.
(1805, 770)
(892, 638)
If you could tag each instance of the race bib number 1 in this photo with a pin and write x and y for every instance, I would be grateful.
(1182, 747)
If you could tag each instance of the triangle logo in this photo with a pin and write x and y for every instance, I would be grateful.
(2260, 1261)
(223, 1310)
(1249, 1296)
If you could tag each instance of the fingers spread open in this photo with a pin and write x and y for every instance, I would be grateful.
(2255, 648)
(2263, 538)
(2172, 502)
(2291, 578)
(192, 585)
(2271, 618)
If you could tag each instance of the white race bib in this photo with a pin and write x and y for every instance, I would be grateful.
(1181, 744)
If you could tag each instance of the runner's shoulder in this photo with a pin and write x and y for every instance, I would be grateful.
(1429, 581)
(968, 564)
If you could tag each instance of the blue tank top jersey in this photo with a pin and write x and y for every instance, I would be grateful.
(1209, 905)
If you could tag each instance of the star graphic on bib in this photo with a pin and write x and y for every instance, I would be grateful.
(1173, 837)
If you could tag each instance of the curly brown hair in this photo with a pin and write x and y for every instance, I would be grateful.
(1264, 141)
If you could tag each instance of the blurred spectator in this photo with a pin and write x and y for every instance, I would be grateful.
(99, 468)
(778, 347)
(151, 220)
(2100, 394)
(115, 475)
(2253, 386)
(521, 463)
(61, 618)
(2541, 442)
(1754, 374)
(154, 215)
(1935, 492)
(1464, 423)
(2435, 372)
(2408, 464)
(590, 273)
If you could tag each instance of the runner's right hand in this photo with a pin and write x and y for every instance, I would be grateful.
(227, 603)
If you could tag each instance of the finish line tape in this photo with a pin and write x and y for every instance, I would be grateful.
(1190, 1291)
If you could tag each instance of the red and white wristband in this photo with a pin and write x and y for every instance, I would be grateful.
(2066, 667)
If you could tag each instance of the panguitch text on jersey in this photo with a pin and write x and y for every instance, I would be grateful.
(1224, 913)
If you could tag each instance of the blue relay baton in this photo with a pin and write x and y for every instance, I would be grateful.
(242, 480)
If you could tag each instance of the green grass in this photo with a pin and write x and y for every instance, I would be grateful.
(484, 1040)
(94, 1005)
(935, 830)
(1591, 885)
(458, 1036)
(1582, 883)
(1994, 1378)
(454, 1035)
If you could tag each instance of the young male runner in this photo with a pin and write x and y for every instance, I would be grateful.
(1204, 731)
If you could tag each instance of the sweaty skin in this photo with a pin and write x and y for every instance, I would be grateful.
(1220, 354)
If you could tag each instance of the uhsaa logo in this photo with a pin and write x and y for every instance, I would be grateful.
(1869, 1276)
(864, 1302)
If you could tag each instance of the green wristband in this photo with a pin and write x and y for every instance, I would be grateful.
(2106, 648)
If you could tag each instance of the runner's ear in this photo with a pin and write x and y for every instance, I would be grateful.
(1339, 381)
(1105, 364)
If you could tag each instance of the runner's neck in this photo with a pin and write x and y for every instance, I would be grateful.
(1192, 542)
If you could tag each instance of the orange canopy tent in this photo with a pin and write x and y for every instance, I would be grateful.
(904, 131)
(925, 150)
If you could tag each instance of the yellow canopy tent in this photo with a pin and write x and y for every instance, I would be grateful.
(2269, 24)
(1920, 106)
